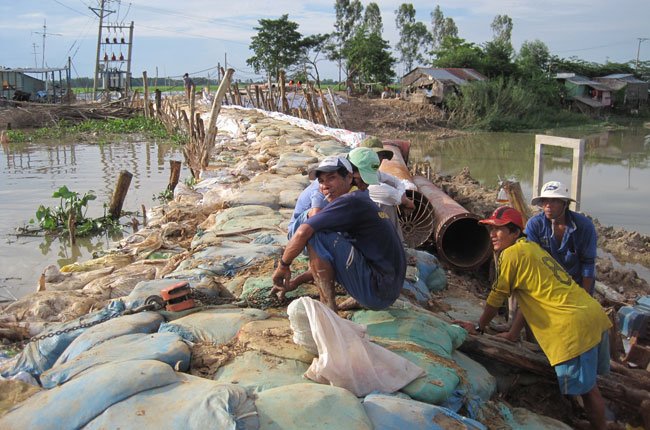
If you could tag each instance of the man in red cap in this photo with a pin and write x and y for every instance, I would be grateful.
(569, 324)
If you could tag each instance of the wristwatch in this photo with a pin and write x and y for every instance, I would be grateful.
(478, 329)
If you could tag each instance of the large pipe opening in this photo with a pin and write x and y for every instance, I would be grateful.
(459, 239)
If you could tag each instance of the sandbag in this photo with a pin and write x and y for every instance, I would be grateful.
(347, 359)
(225, 260)
(144, 289)
(73, 405)
(523, 419)
(144, 322)
(116, 260)
(393, 413)
(258, 372)
(218, 325)
(40, 355)
(478, 386)
(192, 403)
(165, 347)
(441, 379)
(406, 323)
(310, 406)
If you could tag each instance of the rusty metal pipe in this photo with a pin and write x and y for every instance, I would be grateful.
(460, 240)
(416, 224)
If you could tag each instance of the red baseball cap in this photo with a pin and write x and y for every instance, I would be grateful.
(504, 215)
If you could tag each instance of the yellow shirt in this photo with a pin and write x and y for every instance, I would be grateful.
(564, 318)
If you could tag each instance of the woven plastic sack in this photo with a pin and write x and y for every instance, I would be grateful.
(164, 347)
(218, 325)
(311, 406)
(38, 356)
(73, 405)
(145, 322)
(257, 371)
(191, 403)
(393, 413)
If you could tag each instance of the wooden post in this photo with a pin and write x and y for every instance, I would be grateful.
(237, 95)
(257, 96)
(250, 96)
(72, 228)
(283, 94)
(339, 124)
(174, 174)
(158, 96)
(516, 198)
(310, 107)
(192, 127)
(122, 187)
(216, 107)
(147, 114)
(326, 111)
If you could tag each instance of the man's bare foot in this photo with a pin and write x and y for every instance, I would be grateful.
(349, 304)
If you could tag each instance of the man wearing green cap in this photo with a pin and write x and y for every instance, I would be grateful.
(342, 240)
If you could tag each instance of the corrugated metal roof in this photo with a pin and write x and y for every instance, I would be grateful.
(457, 76)
(581, 80)
(627, 77)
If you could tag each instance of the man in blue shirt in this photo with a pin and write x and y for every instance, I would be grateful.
(350, 241)
(568, 236)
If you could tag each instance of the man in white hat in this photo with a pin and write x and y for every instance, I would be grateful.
(568, 236)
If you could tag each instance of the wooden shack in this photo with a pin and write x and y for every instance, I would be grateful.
(585, 95)
(436, 83)
(627, 90)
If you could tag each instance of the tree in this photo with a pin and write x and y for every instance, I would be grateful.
(441, 28)
(497, 59)
(414, 36)
(456, 52)
(348, 15)
(277, 45)
(372, 19)
(533, 57)
(502, 29)
(312, 48)
(369, 57)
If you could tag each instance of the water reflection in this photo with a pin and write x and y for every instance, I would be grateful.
(31, 172)
(615, 172)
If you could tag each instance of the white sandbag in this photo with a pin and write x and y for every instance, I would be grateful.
(347, 358)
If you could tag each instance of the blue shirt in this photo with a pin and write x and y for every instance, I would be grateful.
(577, 252)
(371, 233)
(310, 197)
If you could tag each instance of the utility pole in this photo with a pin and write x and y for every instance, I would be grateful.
(638, 50)
(45, 33)
(35, 60)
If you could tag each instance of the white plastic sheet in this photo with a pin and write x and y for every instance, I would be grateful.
(348, 359)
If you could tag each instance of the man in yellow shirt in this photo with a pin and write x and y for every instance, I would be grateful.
(570, 325)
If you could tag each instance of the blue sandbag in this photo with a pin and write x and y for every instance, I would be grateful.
(39, 356)
(144, 322)
(73, 405)
(393, 413)
(310, 406)
(479, 387)
(166, 347)
(193, 403)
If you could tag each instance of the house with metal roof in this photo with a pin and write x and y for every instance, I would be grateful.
(34, 84)
(587, 96)
(626, 89)
(436, 83)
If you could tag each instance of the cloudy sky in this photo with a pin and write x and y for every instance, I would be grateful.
(174, 37)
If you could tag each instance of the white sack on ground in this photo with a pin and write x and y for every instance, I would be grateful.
(347, 358)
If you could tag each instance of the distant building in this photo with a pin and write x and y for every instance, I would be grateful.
(49, 84)
(433, 84)
(626, 89)
(585, 95)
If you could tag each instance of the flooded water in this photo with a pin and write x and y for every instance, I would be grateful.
(31, 172)
(616, 171)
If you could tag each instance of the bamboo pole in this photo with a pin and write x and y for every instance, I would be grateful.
(310, 107)
(122, 187)
(339, 124)
(192, 126)
(147, 114)
(250, 97)
(257, 96)
(326, 111)
(216, 107)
